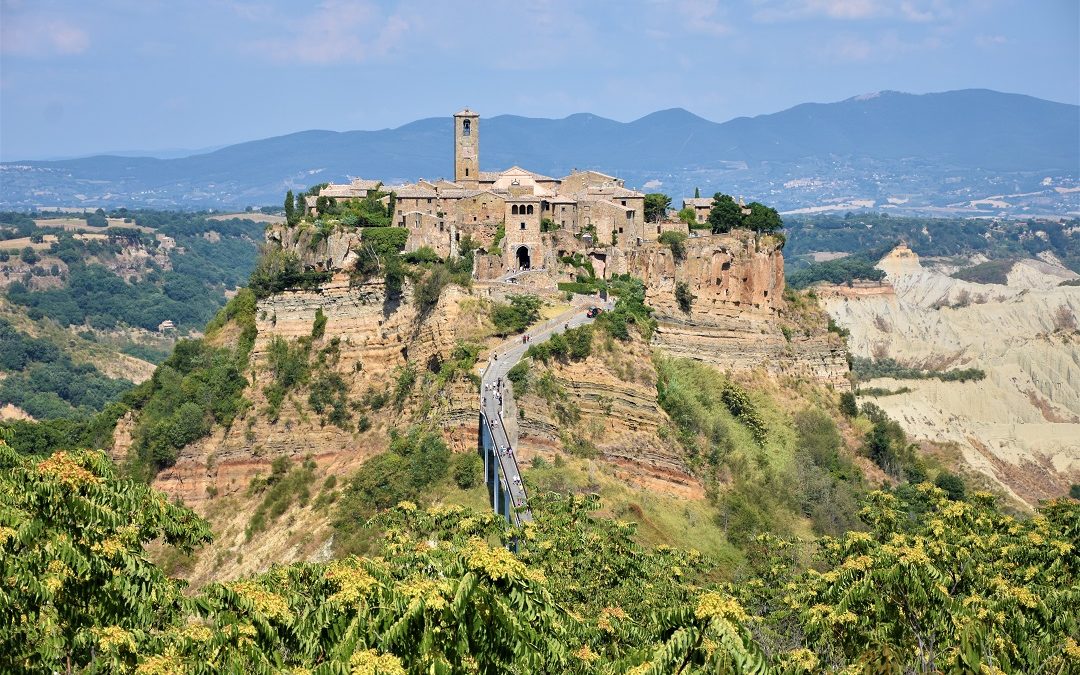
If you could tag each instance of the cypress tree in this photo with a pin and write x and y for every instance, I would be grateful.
(290, 208)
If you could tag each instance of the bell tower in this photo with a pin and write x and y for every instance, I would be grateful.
(467, 148)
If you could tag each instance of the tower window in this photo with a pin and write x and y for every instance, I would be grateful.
(523, 226)
(466, 171)
(466, 128)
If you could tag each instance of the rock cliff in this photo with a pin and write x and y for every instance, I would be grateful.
(1021, 424)
(738, 319)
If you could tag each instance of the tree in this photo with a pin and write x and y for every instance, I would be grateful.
(848, 406)
(697, 193)
(952, 484)
(81, 582)
(656, 206)
(290, 208)
(725, 215)
(28, 256)
(688, 216)
(763, 218)
(676, 241)
(683, 295)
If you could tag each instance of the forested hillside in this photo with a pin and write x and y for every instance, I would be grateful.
(83, 299)
(865, 237)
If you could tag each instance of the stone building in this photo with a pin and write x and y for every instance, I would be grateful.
(596, 208)
(701, 206)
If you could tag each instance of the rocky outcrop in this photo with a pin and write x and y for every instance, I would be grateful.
(738, 319)
(610, 403)
(1021, 424)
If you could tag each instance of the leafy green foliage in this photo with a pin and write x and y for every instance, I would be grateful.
(574, 344)
(278, 270)
(284, 486)
(79, 589)
(878, 232)
(519, 378)
(43, 380)
(848, 405)
(676, 241)
(468, 470)
(515, 317)
(656, 206)
(684, 296)
(868, 369)
(976, 587)
(195, 388)
(839, 271)
(989, 272)
(630, 309)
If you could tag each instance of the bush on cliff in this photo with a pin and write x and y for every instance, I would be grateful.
(515, 317)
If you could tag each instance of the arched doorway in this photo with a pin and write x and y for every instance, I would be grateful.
(523, 257)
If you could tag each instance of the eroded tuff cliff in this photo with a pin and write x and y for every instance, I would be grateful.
(738, 319)
(1021, 424)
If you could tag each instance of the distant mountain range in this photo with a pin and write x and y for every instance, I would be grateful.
(942, 150)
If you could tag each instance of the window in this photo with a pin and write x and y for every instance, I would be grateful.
(658, 229)
(620, 230)
(466, 128)
(530, 209)
(624, 202)
(466, 171)
(564, 209)
(513, 209)
(564, 223)
(523, 226)
(429, 200)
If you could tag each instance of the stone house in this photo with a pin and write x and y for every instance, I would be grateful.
(594, 208)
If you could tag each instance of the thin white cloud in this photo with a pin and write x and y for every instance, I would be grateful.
(337, 31)
(990, 40)
(884, 47)
(39, 34)
(916, 11)
(702, 16)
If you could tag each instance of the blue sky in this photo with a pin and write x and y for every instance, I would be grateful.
(85, 76)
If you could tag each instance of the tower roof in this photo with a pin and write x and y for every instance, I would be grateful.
(466, 113)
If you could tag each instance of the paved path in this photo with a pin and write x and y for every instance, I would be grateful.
(495, 388)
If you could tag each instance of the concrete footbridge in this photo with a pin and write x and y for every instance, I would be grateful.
(502, 475)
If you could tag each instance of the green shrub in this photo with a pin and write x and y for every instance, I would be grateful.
(468, 470)
(515, 317)
(683, 295)
(676, 241)
(519, 378)
(318, 327)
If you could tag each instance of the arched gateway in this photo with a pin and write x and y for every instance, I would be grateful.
(523, 257)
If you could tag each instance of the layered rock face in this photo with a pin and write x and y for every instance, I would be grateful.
(737, 318)
(610, 402)
(376, 337)
(1020, 426)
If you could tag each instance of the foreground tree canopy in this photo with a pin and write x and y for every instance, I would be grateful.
(932, 585)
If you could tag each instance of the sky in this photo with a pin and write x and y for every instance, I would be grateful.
(80, 77)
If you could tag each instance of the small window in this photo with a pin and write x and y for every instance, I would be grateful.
(658, 229)
(620, 230)
(523, 226)
(624, 202)
(529, 209)
(429, 200)
(466, 171)
(466, 128)
(564, 223)
(513, 209)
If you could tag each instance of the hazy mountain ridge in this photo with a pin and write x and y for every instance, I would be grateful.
(933, 149)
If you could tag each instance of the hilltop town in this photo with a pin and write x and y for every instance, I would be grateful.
(506, 214)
